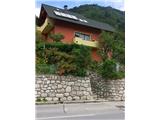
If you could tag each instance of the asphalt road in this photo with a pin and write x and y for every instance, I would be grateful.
(81, 111)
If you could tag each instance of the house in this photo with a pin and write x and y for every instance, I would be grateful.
(74, 27)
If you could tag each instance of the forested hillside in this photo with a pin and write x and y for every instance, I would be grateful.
(109, 15)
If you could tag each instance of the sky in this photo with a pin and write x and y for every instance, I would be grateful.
(118, 4)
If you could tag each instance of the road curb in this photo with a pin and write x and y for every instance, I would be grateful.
(71, 102)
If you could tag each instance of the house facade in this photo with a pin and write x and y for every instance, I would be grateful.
(75, 28)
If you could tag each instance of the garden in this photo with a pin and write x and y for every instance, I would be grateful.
(72, 59)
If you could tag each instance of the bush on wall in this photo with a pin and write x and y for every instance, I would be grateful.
(69, 58)
(56, 37)
(108, 70)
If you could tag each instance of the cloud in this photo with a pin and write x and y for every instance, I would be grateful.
(37, 11)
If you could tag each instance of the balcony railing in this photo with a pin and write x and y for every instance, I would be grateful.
(46, 27)
(89, 43)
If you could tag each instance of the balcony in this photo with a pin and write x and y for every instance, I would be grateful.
(46, 27)
(90, 43)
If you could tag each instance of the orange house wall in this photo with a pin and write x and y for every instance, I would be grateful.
(69, 30)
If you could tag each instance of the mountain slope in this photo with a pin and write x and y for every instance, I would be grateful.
(109, 15)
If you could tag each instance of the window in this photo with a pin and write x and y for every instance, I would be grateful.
(82, 35)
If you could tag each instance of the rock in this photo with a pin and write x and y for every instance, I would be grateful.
(49, 88)
(51, 94)
(66, 94)
(76, 98)
(52, 81)
(48, 98)
(63, 99)
(55, 99)
(83, 98)
(75, 88)
(69, 98)
(86, 93)
(47, 91)
(59, 95)
(59, 86)
(70, 83)
(48, 81)
(45, 86)
(88, 89)
(39, 81)
(60, 90)
(58, 81)
(79, 93)
(82, 88)
(44, 95)
(68, 89)
(73, 93)
(86, 85)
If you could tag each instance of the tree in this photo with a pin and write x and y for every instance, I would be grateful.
(106, 45)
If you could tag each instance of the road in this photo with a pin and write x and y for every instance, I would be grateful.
(81, 111)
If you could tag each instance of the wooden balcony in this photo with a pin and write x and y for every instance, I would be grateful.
(89, 43)
(46, 27)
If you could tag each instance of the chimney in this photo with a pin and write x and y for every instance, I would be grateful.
(65, 7)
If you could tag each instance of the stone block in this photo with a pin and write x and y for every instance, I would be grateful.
(75, 88)
(54, 87)
(59, 86)
(84, 98)
(77, 84)
(51, 94)
(82, 88)
(39, 81)
(45, 86)
(48, 81)
(79, 93)
(69, 98)
(64, 86)
(76, 98)
(52, 81)
(86, 85)
(58, 81)
(68, 89)
(63, 99)
(73, 93)
(88, 89)
(60, 90)
(70, 83)
(85, 93)
(49, 88)
(48, 98)
(44, 95)
(83, 81)
(55, 99)
(59, 95)
(89, 97)
(66, 94)
(47, 91)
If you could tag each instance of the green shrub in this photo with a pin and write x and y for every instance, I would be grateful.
(44, 100)
(38, 99)
(56, 37)
(108, 70)
(82, 60)
(45, 69)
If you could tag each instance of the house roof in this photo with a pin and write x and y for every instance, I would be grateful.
(50, 10)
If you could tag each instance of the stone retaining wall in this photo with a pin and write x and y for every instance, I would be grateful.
(68, 88)
(111, 90)
(62, 88)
